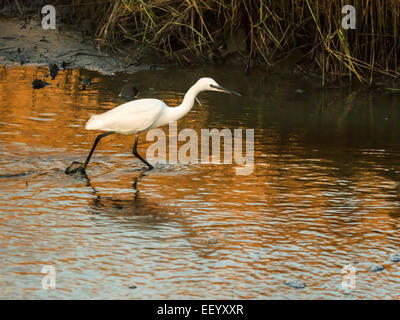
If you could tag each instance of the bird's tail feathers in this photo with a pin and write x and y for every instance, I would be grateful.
(94, 123)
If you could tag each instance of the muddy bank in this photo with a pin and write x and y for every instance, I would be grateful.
(25, 42)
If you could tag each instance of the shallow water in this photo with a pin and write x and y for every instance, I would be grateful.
(324, 193)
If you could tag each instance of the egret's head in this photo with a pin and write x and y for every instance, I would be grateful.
(208, 84)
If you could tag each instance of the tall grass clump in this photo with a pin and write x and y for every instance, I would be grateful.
(309, 33)
(305, 33)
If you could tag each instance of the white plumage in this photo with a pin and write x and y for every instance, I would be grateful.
(140, 115)
(144, 114)
(129, 118)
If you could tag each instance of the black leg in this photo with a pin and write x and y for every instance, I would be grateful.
(98, 138)
(134, 151)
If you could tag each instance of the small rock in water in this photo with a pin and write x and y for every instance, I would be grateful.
(395, 257)
(376, 268)
(53, 70)
(64, 65)
(129, 92)
(87, 81)
(295, 284)
(347, 292)
(75, 167)
(37, 84)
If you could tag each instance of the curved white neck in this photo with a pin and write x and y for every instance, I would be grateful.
(186, 105)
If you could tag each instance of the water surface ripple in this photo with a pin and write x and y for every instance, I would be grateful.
(324, 193)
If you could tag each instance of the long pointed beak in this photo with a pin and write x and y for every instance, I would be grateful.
(225, 90)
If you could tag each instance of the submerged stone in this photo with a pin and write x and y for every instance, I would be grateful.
(53, 70)
(87, 81)
(376, 268)
(129, 92)
(395, 257)
(296, 284)
(37, 84)
(347, 292)
(75, 167)
(64, 65)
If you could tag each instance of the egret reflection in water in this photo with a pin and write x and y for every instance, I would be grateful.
(138, 205)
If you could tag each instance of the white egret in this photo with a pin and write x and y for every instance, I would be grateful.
(141, 115)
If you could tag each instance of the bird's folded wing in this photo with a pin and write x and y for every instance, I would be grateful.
(128, 118)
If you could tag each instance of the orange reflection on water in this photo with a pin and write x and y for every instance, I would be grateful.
(314, 203)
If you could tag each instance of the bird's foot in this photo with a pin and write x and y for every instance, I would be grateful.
(75, 167)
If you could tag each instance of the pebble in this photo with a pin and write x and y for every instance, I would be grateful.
(87, 81)
(129, 92)
(37, 84)
(75, 167)
(64, 65)
(376, 268)
(295, 284)
(53, 70)
(395, 257)
(347, 292)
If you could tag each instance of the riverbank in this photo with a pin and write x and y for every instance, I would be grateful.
(25, 42)
(305, 38)
(328, 39)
